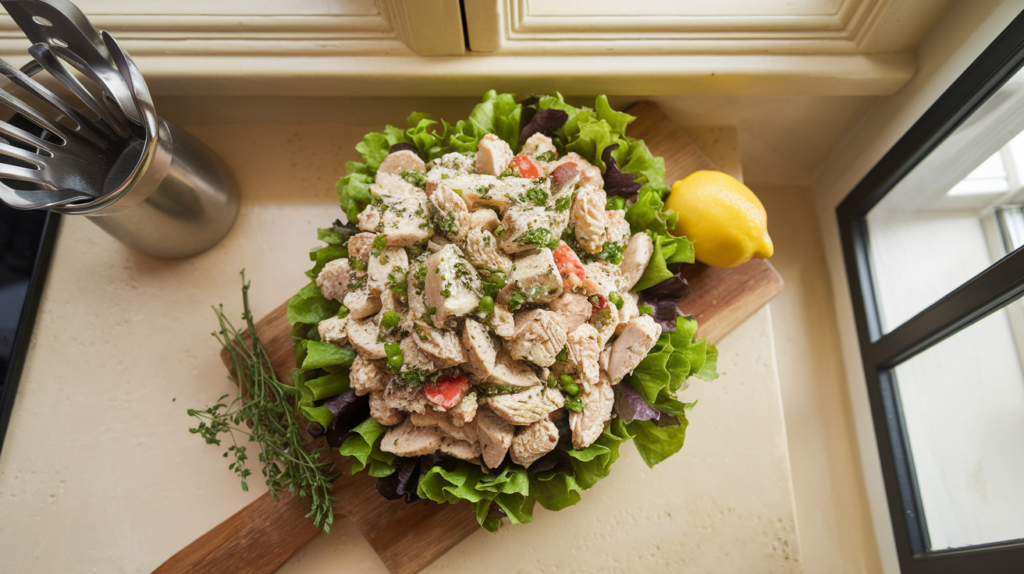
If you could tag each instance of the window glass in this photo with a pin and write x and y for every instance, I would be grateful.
(963, 407)
(946, 221)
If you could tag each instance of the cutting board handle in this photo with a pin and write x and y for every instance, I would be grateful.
(262, 536)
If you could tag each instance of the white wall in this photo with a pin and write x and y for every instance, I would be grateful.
(953, 44)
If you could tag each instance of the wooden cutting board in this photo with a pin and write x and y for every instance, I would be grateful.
(408, 537)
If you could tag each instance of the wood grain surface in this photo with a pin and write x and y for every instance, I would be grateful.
(408, 537)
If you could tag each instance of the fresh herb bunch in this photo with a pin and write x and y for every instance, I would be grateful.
(264, 412)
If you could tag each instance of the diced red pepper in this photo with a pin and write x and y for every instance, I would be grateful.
(597, 302)
(568, 263)
(446, 392)
(527, 167)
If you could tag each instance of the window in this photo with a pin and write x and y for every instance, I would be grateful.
(932, 241)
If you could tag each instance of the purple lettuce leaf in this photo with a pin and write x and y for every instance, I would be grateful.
(557, 460)
(665, 313)
(402, 482)
(673, 289)
(617, 182)
(667, 420)
(545, 122)
(630, 406)
(349, 410)
(403, 146)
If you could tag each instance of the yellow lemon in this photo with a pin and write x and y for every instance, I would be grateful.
(723, 218)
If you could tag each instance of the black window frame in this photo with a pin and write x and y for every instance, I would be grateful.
(881, 352)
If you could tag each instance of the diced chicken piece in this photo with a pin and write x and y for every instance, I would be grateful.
(482, 251)
(632, 346)
(606, 321)
(529, 227)
(415, 359)
(390, 301)
(359, 246)
(432, 418)
(402, 160)
(584, 353)
(481, 351)
(590, 174)
(539, 337)
(480, 191)
(367, 375)
(495, 436)
(510, 372)
(537, 144)
(382, 413)
(408, 439)
(574, 310)
(533, 442)
(493, 155)
(334, 278)
(602, 278)
(526, 407)
(629, 311)
(602, 361)
(369, 219)
(503, 322)
(590, 219)
(334, 330)
(452, 284)
(441, 346)
(459, 448)
(449, 213)
(361, 303)
(635, 258)
(588, 425)
(391, 265)
(454, 162)
(564, 179)
(465, 411)
(484, 220)
(404, 210)
(363, 334)
(403, 397)
(415, 284)
(536, 277)
(618, 229)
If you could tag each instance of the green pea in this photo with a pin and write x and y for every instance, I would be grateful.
(498, 279)
(390, 319)
(487, 305)
(569, 386)
(615, 298)
(395, 356)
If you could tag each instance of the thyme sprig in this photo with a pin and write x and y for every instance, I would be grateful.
(264, 412)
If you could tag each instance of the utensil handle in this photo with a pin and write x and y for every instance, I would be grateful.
(262, 536)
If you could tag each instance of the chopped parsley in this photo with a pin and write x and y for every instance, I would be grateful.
(494, 390)
(415, 177)
(537, 195)
(616, 299)
(549, 155)
(541, 237)
(356, 283)
(563, 355)
(517, 300)
(421, 277)
(611, 252)
(379, 243)
(446, 293)
(563, 203)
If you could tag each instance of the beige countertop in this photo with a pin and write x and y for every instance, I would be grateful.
(99, 473)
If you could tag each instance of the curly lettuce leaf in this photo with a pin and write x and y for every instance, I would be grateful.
(655, 443)
(321, 355)
(309, 306)
(364, 446)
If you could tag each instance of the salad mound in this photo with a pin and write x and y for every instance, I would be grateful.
(499, 312)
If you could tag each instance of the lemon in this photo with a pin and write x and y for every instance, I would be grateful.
(723, 218)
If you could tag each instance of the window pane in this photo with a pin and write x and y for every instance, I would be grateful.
(963, 403)
(939, 226)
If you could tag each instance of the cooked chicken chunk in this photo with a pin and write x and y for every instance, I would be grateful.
(597, 408)
(526, 407)
(602, 278)
(590, 174)
(334, 330)
(391, 265)
(404, 210)
(363, 335)
(449, 213)
(400, 396)
(367, 375)
(635, 258)
(632, 346)
(539, 337)
(414, 359)
(465, 411)
(369, 219)
(402, 160)
(359, 246)
(502, 322)
(460, 449)
(590, 219)
(629, 311)
(484, 191)
(361, 303)
(537, 144)
(333, 279)
(441, 346)
(452, 284)
(618, 229)
(528, 227)
(481, 351)
(482, 251)
(536, 277)
(606, 321)
(484, 220)
(495, 435)
(408, 439)
(574, 310)
(564, 179)
(382, 413)
(432, 418)
(533, 442)
(493, 155)
(584, 352)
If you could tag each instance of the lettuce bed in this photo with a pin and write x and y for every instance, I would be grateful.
(648, 411)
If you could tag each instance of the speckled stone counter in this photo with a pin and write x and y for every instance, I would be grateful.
(99, 472)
